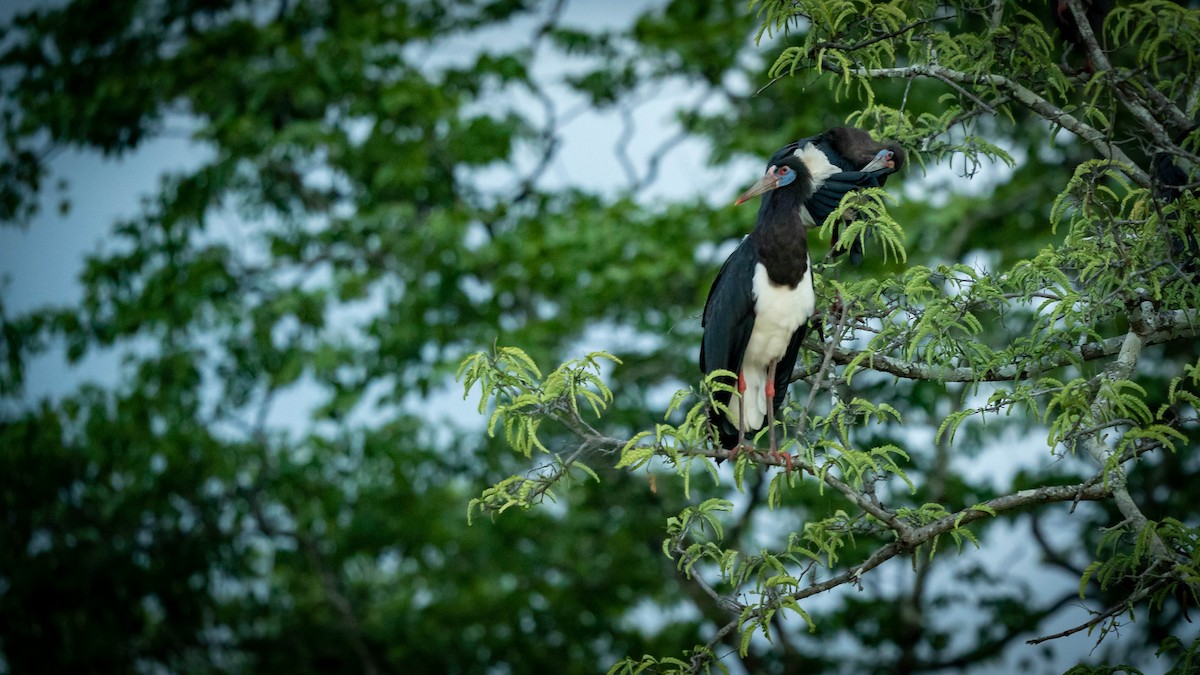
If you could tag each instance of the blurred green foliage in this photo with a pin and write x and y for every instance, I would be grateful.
(387, 167)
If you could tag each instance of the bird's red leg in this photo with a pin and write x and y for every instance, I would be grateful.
(741, 416)
(781, 456)
(771, 407)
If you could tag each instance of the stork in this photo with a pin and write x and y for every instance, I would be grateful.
(758, 308)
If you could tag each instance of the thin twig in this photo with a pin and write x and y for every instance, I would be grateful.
(975, 99)
(859, 45)
(1106, 614)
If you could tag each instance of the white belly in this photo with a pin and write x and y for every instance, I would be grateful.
(779, 313)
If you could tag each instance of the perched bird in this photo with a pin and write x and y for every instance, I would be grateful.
(850, 149)
(759, 305)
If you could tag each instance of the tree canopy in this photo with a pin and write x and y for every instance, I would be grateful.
(391, 212)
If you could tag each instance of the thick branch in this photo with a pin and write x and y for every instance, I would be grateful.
(1121, 369)
(1193, 97)
(331, 584)
(863, 501)
(909, 537)
(1167, 107)
(989, 648)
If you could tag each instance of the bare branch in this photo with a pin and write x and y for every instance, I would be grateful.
(622, 146)
(997, 13)
(1193, 97)
(1106, 614)
(726, 603)
(1051, 555)
(991, 647)
(920, 535)
(826, 360)
(974, 99)
(1178, 119)
(331, 583)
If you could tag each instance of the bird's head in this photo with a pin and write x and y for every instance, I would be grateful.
(857, 151)
(781, 173)
(884, 159)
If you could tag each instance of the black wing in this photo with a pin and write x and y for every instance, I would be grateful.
(729, 312)
(839, 160)
(728, 321)
(826, 199)
(829, 196)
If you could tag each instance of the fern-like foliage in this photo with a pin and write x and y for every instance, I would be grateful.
(1054, 340)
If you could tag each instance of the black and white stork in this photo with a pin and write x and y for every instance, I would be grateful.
(759, 305)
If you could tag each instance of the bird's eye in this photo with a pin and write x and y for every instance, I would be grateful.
(782, 171)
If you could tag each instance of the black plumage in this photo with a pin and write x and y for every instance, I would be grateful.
(758, 307)
(852, 149)
(1170, 183)
(1095, 11)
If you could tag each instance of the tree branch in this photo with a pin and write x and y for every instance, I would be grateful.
(330, 582)
(991, 648)
(1106, 614)
(1193, 97)
(925, 533)
(1022, 94)
(1121, 369)
(842, 47)
(332, 586)
(1175, 325)
(1142, 114)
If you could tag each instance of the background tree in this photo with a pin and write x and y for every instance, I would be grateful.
(272, 483)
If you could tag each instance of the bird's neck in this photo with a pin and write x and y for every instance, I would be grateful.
(781, 239)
